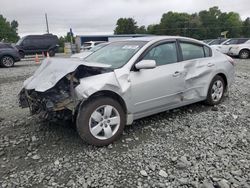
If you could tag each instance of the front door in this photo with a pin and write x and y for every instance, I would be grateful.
(161, 86)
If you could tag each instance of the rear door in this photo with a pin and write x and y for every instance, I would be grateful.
(198, 67)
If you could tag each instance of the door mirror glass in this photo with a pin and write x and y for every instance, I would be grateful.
(145, 64)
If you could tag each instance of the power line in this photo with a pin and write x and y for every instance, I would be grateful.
(197, 28)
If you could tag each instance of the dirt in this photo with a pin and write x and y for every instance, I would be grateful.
(193, 146)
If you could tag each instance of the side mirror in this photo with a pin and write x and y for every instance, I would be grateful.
(145, 64)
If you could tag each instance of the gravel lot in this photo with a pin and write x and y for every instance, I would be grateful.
(193, 146)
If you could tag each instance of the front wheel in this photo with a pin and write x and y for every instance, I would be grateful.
(100, 121)
(216, 91)
(52, 53)
(7, 61)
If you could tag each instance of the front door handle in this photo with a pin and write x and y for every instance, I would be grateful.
(210, 64)
(177, 73)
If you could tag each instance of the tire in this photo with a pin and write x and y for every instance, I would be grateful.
(94, 127)
(244, 54)
(22, 55)
(216, 91)
(52, 53)
(7, 61)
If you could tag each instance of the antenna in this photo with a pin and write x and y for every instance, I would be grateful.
(47, 23)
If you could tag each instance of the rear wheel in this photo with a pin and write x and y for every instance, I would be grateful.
(244, 54)
(216, 91)
(7, 61)
(52, 53)
(101, 121)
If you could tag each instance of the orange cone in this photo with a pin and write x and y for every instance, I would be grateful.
(47, 54)
(37, 59)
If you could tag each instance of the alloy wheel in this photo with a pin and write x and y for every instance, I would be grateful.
(7, 61)
(244, 55)
(217, 90)
(104, 122)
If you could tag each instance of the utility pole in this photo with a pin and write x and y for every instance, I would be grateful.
(47, 23)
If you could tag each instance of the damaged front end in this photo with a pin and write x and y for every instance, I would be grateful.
(60, 101)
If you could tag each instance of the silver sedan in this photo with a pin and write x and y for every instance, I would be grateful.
(125, 81)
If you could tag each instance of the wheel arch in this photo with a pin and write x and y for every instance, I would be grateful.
(7, 55)
(221, 74)
(224, 78)
(106, 93)
(247, 49)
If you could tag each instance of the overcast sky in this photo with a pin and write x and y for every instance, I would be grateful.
(100, 16)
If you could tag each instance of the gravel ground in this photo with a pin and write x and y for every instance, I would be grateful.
(193, 146)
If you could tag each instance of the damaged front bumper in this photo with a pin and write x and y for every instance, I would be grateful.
(51, 91)
(58, 102)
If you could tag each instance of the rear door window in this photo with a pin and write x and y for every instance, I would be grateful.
(241, 41)
(232, 41)
(191, 51)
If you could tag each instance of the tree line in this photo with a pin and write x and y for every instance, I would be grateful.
(8, 30)
(206, 24)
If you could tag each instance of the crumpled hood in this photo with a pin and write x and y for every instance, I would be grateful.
(52, 70)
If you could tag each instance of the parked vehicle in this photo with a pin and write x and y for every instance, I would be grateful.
(125, 81)
(37, 44)
(86, 53)
(240, 50)
(207, 40)
(217, 41)
(8, 55)
(225, 46)
(90, 44)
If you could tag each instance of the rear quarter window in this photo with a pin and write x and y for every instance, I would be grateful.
(207, 51)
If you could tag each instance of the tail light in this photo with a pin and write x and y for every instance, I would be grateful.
(230, 60)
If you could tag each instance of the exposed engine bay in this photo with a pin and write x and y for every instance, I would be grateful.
(59, 102)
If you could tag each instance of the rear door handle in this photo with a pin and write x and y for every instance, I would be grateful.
(177, 73)
(210, 64)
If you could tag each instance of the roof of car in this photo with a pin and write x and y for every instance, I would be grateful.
(158, 38)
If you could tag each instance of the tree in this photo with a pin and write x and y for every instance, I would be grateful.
(153, 29)
(232, 23)
(246, 28)
(173, 23)
(203, 25)
(8, 31)
(126, 26)
(141, 30)
(210, 23)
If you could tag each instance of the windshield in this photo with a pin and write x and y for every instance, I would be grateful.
(116, 54)
(217, 41)
(20, 41)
